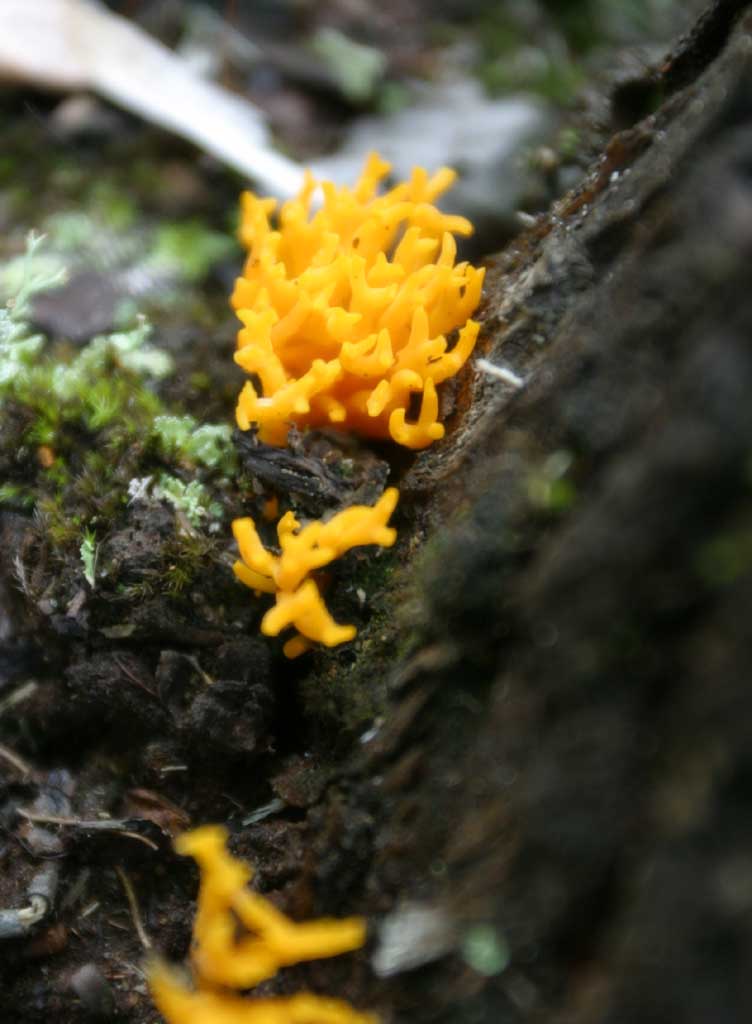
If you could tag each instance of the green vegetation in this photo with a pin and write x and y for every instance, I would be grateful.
(189, 248)
(180, 437)
(192, 499)
(358, 69)
(22, 278)
(86, 437)
(485, 950)
(726, 557)
(88, 552)
(549, 486)
(540, 47)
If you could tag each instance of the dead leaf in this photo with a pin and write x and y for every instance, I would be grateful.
(145, 803)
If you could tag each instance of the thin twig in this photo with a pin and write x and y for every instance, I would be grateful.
(130, 895)
(502, 373)
(134, 678)
(12, 758)
(142, 839)
(18, 695)
(89, 826)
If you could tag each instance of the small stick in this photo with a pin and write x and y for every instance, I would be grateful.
(502, 373)
(130, 895)
(12, 758)
(23, 691)
(106, 825)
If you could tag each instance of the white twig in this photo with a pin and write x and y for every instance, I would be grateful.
(501, 373)
(130, 895)
(76, 45)
(6, 754)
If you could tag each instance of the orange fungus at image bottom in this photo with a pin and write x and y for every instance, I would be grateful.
(224, 961)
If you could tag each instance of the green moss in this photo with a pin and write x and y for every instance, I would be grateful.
(62, 527)
(8, 167)
(67, 175)
(106, 385)
(550, 486)
(200, 381)
(725, 558)
(190, 249)
(185, 557)
(92, 425)
(358, 69)
(524, 48)
(16, 496)
(348, 688)
(512, 60)
(112, 204)
(137, 593)
(555, 77)
(569, 143)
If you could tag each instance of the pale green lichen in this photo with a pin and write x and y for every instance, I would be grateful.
(549, 487)
(192, 499)
(130, 350)
(89, 550)
(181, 437)
(70, 231)
(358, 69)
(20, 280)
(89, 420)
(486, 950)
(88, 390)
(27, 377)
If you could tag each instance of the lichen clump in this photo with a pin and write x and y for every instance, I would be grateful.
(302, 550)
(347, 309)
(241, 939)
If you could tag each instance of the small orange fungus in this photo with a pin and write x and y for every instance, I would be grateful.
(241, 939)
(346, 309)
(302, 550)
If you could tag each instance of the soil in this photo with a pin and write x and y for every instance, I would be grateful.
(531, 771)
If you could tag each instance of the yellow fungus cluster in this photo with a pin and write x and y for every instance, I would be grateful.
(346, 308)
(302, 550)
(241, 939)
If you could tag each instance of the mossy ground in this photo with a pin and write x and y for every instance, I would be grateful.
(134, 653)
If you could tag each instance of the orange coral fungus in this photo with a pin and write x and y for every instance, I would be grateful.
(346, 309)
(223, 959)
(286, 575)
